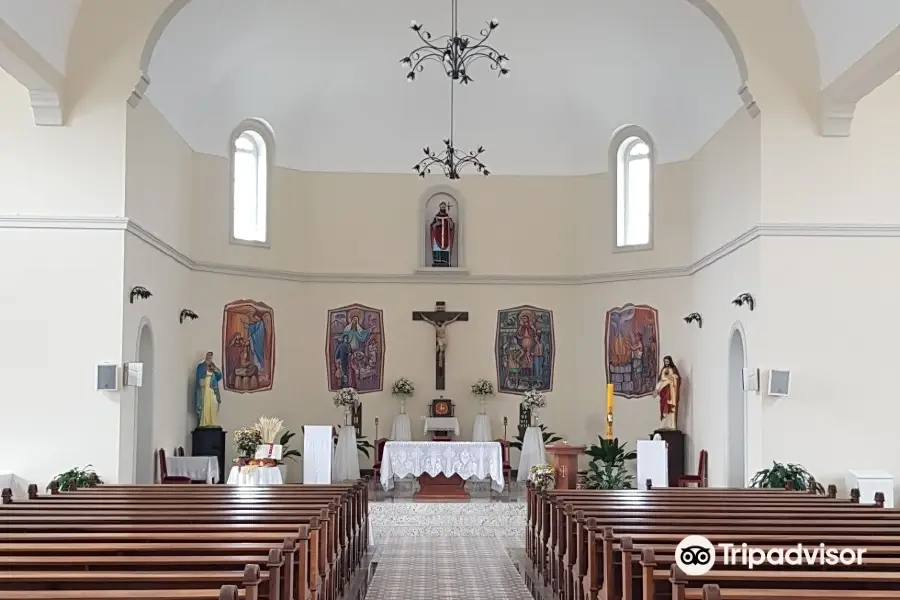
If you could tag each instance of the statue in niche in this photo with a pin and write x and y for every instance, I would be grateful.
(668, 390)
(206, 393)
(441, 235)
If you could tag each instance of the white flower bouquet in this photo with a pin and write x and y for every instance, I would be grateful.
(246, 440)
(403, 387)
(346, 397)
(483, 388)
(534, 399)
(543, 477)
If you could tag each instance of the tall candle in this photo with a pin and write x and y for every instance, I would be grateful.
(609, 411)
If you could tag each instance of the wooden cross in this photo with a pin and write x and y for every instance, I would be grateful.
(439, 318)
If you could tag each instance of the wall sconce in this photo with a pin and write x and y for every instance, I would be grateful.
(743, 299)
(187, 313)
(694, 318)
(141, 292)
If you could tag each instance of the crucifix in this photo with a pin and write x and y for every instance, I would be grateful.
(439, 318)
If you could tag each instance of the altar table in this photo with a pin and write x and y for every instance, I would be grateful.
(448, 464)
(198, 468)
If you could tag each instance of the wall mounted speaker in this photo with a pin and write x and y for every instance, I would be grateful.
(107, 377)
(779, 382)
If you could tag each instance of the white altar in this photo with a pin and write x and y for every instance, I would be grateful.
(479, 460)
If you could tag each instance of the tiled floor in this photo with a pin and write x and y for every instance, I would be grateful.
(445, 568)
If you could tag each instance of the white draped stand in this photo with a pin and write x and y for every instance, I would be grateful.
(480, 460)
(317, 450)
(441, 424)
(254, 476)
(345, 466)
(198, 468)
(481, 432)
(401, 430)
(532, 452)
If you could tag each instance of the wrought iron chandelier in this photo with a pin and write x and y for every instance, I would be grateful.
(450, 160)
(455, 52)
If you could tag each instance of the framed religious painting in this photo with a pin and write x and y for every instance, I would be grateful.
(441, 408)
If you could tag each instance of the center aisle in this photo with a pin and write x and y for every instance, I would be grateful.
(445, 568)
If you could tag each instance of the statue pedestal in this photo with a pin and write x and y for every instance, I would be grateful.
(210, 441)
(565, 459)
(675, 441)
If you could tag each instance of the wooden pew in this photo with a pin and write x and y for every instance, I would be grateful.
(247, 511)
(713, 592)
(226, 592)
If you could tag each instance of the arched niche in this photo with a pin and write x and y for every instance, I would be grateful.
(429, 206)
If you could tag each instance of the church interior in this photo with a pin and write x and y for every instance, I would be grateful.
(460, 294)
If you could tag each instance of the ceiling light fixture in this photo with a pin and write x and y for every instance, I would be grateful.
(455, 52)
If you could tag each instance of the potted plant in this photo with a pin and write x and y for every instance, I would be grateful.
(481, 389)
(607, 469)
(786, 475)
(75, 478)
(403, 388)
(543, 477)
(534, 400)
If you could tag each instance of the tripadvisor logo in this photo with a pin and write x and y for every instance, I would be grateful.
(696, 555)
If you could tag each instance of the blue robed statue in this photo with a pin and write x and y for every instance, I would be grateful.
(206, 392)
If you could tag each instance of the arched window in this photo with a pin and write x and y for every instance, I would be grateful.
(633, 172)
(251, 163)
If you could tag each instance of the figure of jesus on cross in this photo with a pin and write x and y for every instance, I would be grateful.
(439, 318)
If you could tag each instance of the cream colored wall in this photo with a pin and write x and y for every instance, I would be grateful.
(544, 238)
(158, 194)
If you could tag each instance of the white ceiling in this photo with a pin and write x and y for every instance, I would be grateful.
(325, 74)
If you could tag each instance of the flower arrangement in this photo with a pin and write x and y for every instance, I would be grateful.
(346, 397)
(534, 399)
(542, 476)
(483, 388)
(403, 387)
(246, 440)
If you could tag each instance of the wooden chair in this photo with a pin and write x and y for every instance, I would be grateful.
(164, 471)
(701, 479)
(507, 468)
(379, 453)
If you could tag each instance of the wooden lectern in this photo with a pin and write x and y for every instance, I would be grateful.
(565, 459)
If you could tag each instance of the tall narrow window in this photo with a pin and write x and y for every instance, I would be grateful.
(250, 173)
(634, 183)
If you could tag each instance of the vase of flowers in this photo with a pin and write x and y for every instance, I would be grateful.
(348, 398)
(534, 400)
(246, 440)
(481, 389)
(403, 388)
(543, 477)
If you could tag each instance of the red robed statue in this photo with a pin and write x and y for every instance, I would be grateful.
(442, 230)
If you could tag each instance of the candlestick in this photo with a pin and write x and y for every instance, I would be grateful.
(610, 390)
(376, 428)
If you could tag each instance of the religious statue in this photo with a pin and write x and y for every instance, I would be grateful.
(206, 393)
(440, 336)
(442, 230)
(668, 390)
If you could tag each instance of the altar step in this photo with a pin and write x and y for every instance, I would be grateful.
(503, 520)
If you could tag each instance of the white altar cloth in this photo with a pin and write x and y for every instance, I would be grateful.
(480, 460)
(345, 465)
(254, 476)
(12, 481)
(441, 423)
(533, 452)
(401, 429)
(198, 468)
(481, 431)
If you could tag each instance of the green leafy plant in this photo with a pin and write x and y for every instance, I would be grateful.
(286, 451)
(362, 444)
(607, 469)
(76, 478)
(549, 438)
(786, 475)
